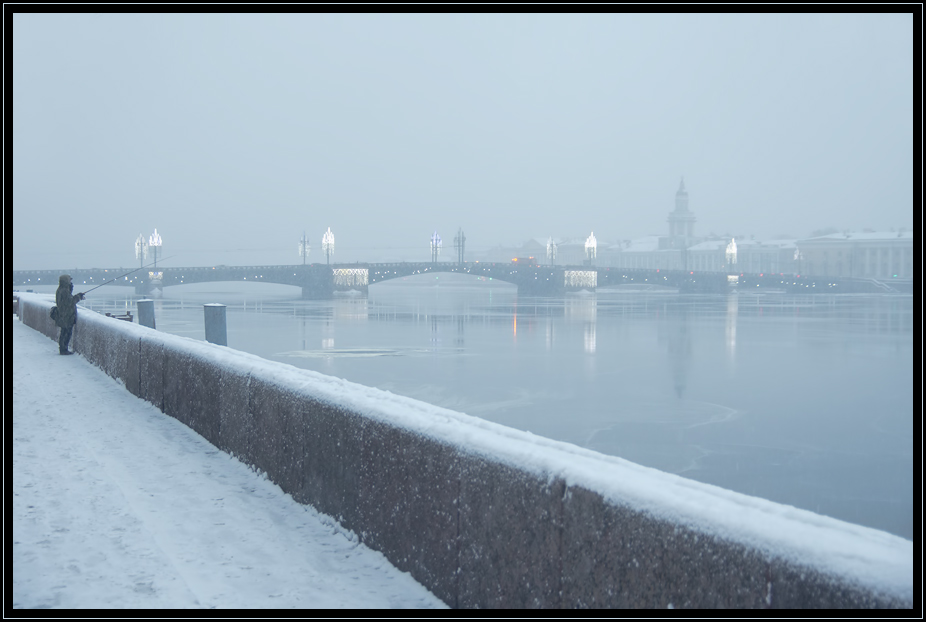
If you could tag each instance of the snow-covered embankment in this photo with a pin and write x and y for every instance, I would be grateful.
(488, 516)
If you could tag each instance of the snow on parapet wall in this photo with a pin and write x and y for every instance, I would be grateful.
(859, 555)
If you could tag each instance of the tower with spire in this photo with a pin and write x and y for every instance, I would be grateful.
(681, 221)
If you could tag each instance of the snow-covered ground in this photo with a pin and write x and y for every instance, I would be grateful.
(117, 505)
(172, 516)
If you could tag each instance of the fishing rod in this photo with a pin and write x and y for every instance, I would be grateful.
(126, 274)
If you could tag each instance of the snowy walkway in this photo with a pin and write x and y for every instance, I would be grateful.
(117, 505)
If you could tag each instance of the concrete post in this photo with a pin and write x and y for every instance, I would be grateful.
(146, 313)
(215, 323)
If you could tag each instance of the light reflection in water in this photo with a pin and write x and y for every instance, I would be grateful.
(590, 338)
(732, 309)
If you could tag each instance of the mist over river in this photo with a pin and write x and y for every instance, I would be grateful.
(803, 400)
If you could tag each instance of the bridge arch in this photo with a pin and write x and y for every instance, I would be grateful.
(419, 273)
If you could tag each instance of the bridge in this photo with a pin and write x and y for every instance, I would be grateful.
(320, 281)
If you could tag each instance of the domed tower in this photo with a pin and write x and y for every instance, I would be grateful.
(681, 221)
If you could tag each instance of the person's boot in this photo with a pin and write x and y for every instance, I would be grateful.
(65, 352)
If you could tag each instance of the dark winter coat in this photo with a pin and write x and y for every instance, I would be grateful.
(66, 302)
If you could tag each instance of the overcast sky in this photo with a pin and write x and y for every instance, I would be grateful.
(231, 134)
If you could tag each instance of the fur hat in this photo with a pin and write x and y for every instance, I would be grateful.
(64, 280)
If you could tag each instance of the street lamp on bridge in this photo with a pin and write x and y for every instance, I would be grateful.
(328, 245)
(435, 247)
(551, 250)
(731, 254)
(304, 247)
(459, 243)
(155, 243)
(591, 248)
(141, 249)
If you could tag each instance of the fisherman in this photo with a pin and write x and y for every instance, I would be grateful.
(67, 311)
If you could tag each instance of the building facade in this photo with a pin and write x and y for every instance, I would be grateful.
(752, 256)
(872, 254)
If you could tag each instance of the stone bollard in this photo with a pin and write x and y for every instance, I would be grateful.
(215, 323)
(146, 313)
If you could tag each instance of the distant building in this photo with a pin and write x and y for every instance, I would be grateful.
(569, 252)
(534, 247)
(681, 223)
(657, 252)
(879, 255)
(872, 254)
(641, 254)
(752, 256)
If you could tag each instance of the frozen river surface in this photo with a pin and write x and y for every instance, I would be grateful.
(805, 400)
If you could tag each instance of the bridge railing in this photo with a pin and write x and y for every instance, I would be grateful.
(691, 280)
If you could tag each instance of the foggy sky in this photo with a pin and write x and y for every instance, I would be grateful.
(231, 134)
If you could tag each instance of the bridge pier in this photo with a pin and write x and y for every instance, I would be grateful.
(317, 282)
(145, 288)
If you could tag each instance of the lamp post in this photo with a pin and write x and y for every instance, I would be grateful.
(435, 247)
(591, 248)
(141, 249)
(459, 243)
(304, 247)
(328, 245)
(155, 243)
(551, 250)
(731, 254)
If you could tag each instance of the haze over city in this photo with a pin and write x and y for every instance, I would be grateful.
(233, 134)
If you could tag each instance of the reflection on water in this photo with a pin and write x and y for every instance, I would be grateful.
(583, 308)
(733, 302)
(801, 400)
(679, 349)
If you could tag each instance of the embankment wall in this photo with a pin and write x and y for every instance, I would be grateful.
(487, 516)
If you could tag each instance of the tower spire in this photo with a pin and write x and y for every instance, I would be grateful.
(681, 198)
(681, 221)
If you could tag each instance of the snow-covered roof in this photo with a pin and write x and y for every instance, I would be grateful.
(778, 243)
(710, 245)
(865, 235)
(543, 241)
(769, 244)
(742, 243)
(639, 245)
